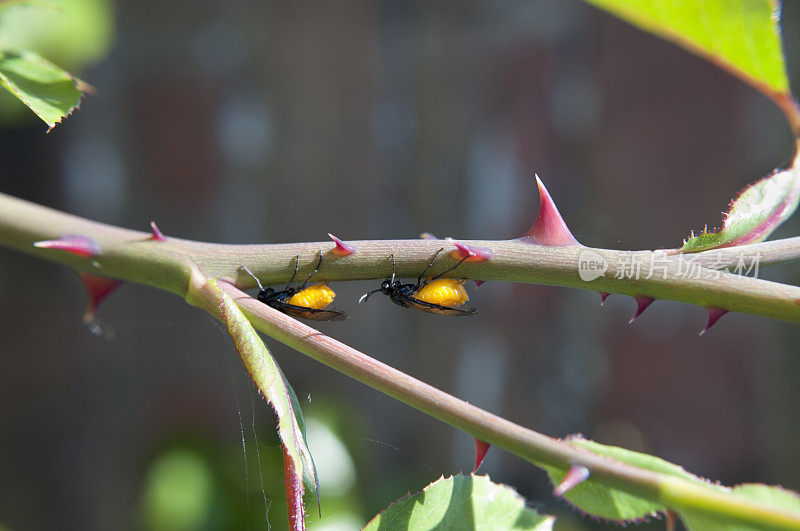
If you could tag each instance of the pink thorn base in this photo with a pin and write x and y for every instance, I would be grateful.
(549, 228)
(79, 245)
(480, 453)
(157, 234)
(478, 283)
(341, 249)
(98, 289)
(475, 254)
(576, 475)
(603, 297)
(714, 314)
(642, 303)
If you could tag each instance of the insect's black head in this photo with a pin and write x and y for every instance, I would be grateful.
(386, 286)
(265, 294)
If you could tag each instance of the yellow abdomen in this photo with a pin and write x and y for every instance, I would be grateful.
(317, 296)
(444, 291)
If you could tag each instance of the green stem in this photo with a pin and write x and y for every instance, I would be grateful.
(131, 255)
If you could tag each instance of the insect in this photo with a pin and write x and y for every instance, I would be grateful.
(434, 295)
(306, 302)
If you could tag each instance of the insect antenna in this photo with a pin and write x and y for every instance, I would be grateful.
(392, 255)
(254, 277)
(366, 295)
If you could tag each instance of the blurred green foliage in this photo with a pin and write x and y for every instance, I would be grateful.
(72, 34)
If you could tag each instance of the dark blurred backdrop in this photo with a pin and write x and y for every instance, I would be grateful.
(254, 122)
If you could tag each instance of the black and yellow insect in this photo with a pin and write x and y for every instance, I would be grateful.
(434, 295)
(307, 302)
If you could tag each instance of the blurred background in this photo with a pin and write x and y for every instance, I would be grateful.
(258, 122)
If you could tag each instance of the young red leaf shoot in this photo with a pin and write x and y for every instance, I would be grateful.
(78, 245)
(642, 303)
(576, 475)
(549, 228)
(480, 453)
(341, 249)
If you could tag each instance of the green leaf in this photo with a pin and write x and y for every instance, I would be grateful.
(461, 503)
(742, 36)
(70, 33)
(752, 217)
(267, 377)
(775, 498)
(46, 89)
(612, 504)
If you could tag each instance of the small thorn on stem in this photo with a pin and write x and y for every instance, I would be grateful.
(98, 289)
(576, 475)
(642, 304)
(157, 234)
(478, 283)
(475, 254)
(714, 313)
(603, 297)
(341, 249)
(480, 453)
(549, 228)
(79, 245)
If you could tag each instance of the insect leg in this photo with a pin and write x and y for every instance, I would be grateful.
(419, 279)
(296, 264)
(316, 268)
(451, 268)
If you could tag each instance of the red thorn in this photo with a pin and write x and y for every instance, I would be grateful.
(576, 475)
(478, 283)
(475, 254)
(98, 289)
(714, 314)
(341, 249)
(642, 303)
(428, 236)
(549, 228)
(480, 453)
(157, 234)
(79, 245)
(294, 493)
(603, 297)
